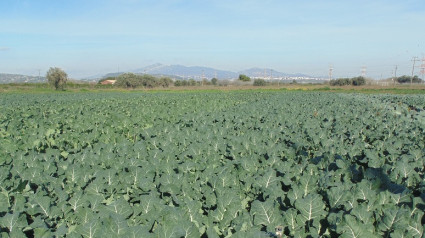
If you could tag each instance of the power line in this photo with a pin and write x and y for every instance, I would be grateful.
(423, 69)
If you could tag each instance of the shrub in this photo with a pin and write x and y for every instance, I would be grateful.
(259, 82)
(57, 78)
(244, 78)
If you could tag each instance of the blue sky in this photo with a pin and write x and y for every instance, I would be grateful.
(89, 37)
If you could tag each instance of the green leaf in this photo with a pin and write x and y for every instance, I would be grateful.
(77, 201)
(93, 228)
(17, 234)
(374, 161)
(4, 202)
(337, 196)
(189, 229)
(13, 222)
(193, 209)
(311, 207)
(415, 227)
(120, 207)
(43, 203)
(10, 221)
(64, 154)
(364, 191)
(393, 219)
(268, 179)
(353, 228)
(294, 194)
(265, 213)
(293, 221)
(363, 214)
(42, 233)
(170, 229)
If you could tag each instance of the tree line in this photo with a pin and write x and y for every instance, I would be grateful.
(360, 80)
(408, 79)
(130, 80)
(356, 81)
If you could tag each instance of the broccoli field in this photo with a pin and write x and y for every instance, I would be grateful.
(212, 164)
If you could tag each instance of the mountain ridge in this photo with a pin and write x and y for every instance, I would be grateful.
(21, 78)
(175, 71)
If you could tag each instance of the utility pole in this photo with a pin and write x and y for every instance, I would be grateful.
(414, 59)
(395, 74)
(364, 71)
(423, 68)
(330, 72)
(203, 76)
(118, 73)
(271, 75)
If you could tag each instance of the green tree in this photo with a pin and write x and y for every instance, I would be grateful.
(214, 81)
(57, 78)
(192, 82)
(165, 82)
(244, 78)
(205, 82)
(260, 82)
(178, 83)
(128, 80)
(408, 79)
(341, 82)
(358, 81)
(148, 81)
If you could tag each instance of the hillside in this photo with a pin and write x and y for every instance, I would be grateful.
(199, 72)
(19, 78)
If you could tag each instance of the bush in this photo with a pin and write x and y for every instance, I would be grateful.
(408, 79)
(165, 82)
(340, 82)
(214, 81)
(356, 81)
(192, 82)
(260, 82)
(130, 80)
(57, 78)
(244, 78)
(149, 81)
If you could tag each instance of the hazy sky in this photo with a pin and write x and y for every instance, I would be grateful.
(89, 37)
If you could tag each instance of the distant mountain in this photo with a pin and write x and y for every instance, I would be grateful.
(111, 75)
(180, 71)
(267, 73)
(19, 78)
(172, 71)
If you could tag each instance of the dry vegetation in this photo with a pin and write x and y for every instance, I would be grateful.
(44, 88)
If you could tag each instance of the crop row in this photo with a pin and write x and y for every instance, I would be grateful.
(215, 164)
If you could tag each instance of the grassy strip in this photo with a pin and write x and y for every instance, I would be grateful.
(93, 88)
